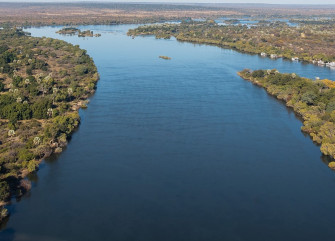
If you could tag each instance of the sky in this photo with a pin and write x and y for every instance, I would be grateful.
(193, 1)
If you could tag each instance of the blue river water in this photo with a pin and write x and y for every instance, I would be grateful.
(180, 149)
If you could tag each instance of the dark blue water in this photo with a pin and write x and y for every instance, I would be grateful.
(180, 150)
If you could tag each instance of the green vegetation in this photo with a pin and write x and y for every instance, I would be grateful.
(43, 83)
(76, 31)
(68, 31)
(308, 42)
(331, 165)
(313, 100)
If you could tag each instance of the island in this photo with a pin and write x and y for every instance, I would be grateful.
(165, 57)
(313, 100)
(76, 31)
(43, 83)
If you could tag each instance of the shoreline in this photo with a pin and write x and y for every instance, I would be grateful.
(29, 140)
(305, 118)
(268, 42)
(228, 46)
(25, 172)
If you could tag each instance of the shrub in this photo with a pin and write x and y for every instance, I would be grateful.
(40, 108)
(330, 106)
(3, 213)
(4, 191)
(309, 97)
(81, 69)
(331, 165)
(258, 74)
(25, 155)
(31, 166)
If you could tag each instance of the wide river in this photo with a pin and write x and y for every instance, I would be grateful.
(179, 150)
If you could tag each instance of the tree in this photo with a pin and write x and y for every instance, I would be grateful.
(81, 69)
(309, 98)
(40, 108)
(4, 191)
(331, 106)
(258, 74)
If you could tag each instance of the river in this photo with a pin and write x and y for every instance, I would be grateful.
(179, 150)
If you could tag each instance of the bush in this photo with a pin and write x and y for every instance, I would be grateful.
(25, 155)
(4, 191)
(3, 213)
(31, 166)
(81, 69)
(29, 71)
(330, 106)
(309, 98)
(331, 165)
(17, 81)
(258, 74)
(40, 108)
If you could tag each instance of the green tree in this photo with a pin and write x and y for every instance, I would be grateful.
(4, 191)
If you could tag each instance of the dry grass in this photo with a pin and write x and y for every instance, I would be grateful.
(112, 13)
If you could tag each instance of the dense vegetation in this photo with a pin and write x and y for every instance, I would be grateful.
(308, 42)
(314, 100)
(43, 83)
(76, 31)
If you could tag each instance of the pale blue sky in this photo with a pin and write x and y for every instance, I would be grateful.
(194, 1)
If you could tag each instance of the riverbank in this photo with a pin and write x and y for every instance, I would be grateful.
(313, 100)
(44, 82)
(274, 40)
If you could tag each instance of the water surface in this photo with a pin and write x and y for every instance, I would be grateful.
(180, 150)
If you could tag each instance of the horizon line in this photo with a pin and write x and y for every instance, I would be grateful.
(157, 2)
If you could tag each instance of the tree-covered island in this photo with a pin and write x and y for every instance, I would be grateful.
(43, 83)
(78, 32)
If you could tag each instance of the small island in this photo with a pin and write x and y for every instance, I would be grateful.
(76, 31)
(313, 100)
(165, 57)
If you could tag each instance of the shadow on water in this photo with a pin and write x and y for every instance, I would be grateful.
(326, 160)
(8, 234)
(33, 179)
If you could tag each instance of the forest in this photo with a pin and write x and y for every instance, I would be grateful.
(313, 100)
(43, 83)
